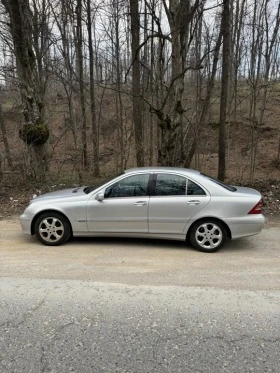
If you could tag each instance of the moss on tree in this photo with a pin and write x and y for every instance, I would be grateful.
(34, 134)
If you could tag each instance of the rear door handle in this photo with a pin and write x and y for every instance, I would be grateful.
(193, 202)
(140, 203)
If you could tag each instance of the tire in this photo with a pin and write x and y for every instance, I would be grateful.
(208, 235)
(52, 229)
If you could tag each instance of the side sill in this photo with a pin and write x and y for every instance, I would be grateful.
(177, 237)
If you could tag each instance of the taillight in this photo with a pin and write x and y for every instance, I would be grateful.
(257, 209)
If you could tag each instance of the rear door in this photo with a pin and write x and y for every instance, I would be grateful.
(174, 201)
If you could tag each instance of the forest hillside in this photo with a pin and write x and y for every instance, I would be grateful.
(89, 88)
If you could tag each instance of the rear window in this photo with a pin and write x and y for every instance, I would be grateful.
(226, 186)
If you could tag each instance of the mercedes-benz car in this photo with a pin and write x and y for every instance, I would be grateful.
(165, 203)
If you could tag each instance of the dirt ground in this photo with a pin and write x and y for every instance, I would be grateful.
(251, 263)
(130, 305)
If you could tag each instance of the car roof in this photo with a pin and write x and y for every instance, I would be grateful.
(162, 169)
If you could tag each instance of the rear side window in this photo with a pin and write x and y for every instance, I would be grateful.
(194, 189)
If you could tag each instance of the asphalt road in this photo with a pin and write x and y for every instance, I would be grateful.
(104, 305)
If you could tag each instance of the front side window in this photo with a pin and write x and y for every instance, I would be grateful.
(132, 186)
(170, 185)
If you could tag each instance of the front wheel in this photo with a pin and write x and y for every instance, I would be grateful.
(208, 235)
(52, 229)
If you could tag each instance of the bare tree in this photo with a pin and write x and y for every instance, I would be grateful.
(170, 108)
(35, 130)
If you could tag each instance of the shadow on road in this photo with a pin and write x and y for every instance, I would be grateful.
(244, 244)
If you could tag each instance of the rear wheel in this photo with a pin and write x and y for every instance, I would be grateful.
(208, 235)
(52, 229)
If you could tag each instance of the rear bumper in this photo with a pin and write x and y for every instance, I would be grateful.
(246, 226)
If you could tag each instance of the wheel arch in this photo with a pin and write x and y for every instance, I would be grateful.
(48, 211)
(212, 219)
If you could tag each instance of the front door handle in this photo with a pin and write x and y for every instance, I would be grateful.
(140, 203)
(194, 202)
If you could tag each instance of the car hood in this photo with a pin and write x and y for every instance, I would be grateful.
(65, 193)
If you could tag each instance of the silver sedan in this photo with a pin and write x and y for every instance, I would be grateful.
(167, 203)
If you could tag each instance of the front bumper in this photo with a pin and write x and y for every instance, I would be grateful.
(25, 222)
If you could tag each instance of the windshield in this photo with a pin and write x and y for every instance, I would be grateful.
(91, 188)
(226, 186)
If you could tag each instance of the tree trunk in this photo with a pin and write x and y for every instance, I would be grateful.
(179, 17)
(5, 138)
(80, 66)
(95, 141)
(226, 32)
(136, 78)
(257, 51)
(182, 23)
(116, 51)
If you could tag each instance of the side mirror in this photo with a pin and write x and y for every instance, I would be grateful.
(99, 197)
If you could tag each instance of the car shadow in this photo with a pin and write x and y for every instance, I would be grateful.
(130, 242)
(239, 245)
(242, 244)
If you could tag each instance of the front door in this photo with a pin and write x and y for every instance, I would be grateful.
(124, 208)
